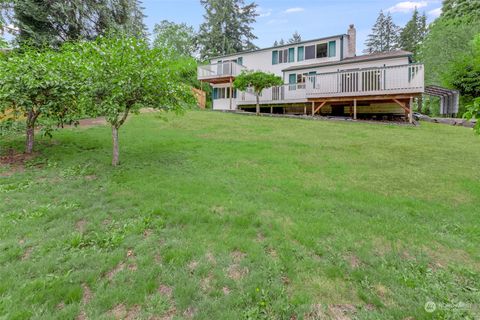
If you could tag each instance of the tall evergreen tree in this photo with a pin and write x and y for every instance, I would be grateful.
(384, 36)
(275, 44)
(281, 42)
(227, 27)
(296, 38)
(51, 22)
(415, 31)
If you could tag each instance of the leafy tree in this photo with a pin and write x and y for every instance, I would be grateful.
(52, 22)
(473, 112)
(464, 71)
(467, 10)
(124, 75)
(384, 36)
(181, 37)
(39, 85)
(415, 31)
(296, 38)
(258, 81)
(446, 41)
(227, 27)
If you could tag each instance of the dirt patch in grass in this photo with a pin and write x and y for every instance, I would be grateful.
(80, 225)
(192, 266)
(112, 273)
(235, 272)
(442, 256)
(189, 313)
(226, 291)
(316, 313)
(14, 162)
(147, 233)
(206, 283)
(237, 256)
(353, 261)
(210, 258)
(165, 291)
(342, 311)
(87, 294)
(120, 311)
(26, 255)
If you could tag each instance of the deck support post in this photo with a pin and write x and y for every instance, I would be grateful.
(313, 108)
(231, 92)
(354, 109)
(305, 110)
(410, 106)
(271, 109)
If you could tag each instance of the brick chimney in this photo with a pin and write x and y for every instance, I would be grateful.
(352, 41)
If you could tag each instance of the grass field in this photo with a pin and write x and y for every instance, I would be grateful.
(221, 216)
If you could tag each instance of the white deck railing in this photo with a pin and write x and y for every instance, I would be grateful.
(370, 81)
(404, 79)
(219, 70)
(288, 93)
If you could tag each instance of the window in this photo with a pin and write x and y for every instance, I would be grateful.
(332, 48)
(292, 78)
(291, 55)
(240, 61)
(300, 53)
(322, 50)
(223, 93)
(280, 56)
(309, 52)
(285, 56)
(275, 57)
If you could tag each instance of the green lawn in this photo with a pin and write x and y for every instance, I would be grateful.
(221, 216)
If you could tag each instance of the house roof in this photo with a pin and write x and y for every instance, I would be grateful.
(362, 58)
(278, 47)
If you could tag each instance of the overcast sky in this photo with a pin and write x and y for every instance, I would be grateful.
(311, 18)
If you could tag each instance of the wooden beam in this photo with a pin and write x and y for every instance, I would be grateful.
(231, 92)
(401, 104)
(410, 106)
(364, 98)
(320, 107)
(354, 109)
(305, 110)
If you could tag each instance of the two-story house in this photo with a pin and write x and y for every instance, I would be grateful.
(322, 76)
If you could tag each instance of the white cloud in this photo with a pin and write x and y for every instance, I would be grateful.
(435, 13)
(294, 10)
(262, 13)
(407, 6)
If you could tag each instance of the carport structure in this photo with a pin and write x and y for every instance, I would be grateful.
(449, 99)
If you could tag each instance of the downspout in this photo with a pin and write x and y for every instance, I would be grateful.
(341, 48)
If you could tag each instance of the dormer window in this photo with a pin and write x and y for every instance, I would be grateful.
(322, 50)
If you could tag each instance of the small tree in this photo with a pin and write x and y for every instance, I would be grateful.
(39, 85)
(124, 75)
(473, 112)
(258, 81)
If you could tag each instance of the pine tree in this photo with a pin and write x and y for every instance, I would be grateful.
(227, 27)
(384, 36)
(51, 22)
(412, 36)
(296, 38)
(281, 42)
(275, 44)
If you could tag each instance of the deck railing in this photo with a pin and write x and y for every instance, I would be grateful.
(404, 79)
(219, 70)
(288, 93)
(370, 81)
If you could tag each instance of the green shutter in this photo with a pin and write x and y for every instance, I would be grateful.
(332, 48)
(275, 57)
(291, 55)
(300, 53)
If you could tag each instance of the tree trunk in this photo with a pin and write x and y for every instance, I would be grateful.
(116, 153)
(30, 132)
(258, 105)
(30, 139)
